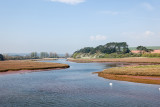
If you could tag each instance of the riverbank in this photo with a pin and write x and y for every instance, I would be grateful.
(140, 70)
(149, 74)
(43, 59)
(20, 65)
(128, 60)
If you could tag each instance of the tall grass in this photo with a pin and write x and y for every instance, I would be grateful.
(147, 70)
(16, 65)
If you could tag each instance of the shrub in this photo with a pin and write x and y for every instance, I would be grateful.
(1, 57)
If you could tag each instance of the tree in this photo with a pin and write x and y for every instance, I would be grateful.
(66, 55)
(143, 49)
(149, 50)
(34, 55)
(44, 55)
(112, 47)
(55, 55)
(51, 55)
(1, 57)
(140, 48)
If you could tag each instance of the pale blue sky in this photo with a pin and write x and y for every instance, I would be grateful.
(67, 25)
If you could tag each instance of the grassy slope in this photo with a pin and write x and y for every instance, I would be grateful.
(16, 65)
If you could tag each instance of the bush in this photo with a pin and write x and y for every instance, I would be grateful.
(1, 57)
(151, 55)
(115, 55)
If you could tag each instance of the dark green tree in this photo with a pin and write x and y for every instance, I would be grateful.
(149, 50)
(1, 57)
(112, 47)
(142, 49)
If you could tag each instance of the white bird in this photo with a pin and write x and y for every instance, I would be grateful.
(159, 89)
(110, 84)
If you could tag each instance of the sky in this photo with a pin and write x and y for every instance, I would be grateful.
(67, 25)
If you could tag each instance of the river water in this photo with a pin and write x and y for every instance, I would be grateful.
(74, 87)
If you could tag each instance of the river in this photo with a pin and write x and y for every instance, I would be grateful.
(74, 87)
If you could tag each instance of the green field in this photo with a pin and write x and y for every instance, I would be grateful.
(148, 47)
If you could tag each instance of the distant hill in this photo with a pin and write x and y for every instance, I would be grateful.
(17, 54)
(148, 47)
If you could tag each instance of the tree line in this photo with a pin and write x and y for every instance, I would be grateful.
(112, 47)
(33, 55)
(113, 50)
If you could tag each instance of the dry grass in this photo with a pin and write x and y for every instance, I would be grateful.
(149, 74)
(129, 60)
(16, 65)
(147, 70)
(141, 79)
(43, 59)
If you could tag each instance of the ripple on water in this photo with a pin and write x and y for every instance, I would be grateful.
(74, 87)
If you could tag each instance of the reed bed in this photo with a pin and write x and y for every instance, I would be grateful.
(146, 70)
(16, 65)
(137, 79)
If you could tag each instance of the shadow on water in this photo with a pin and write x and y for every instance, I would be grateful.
(74, 87)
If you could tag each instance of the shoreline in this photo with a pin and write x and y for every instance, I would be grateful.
(27, 71)
(126, 62)
(136, 79)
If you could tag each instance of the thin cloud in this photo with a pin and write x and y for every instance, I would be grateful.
(149, 33)
(110, 12)
(146, 34)
(98, 38)
(71, 2)
(148, 6)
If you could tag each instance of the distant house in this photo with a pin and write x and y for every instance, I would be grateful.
(154, 51)
(135, 51)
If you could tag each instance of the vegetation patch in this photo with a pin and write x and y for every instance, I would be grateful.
(137, 79)
(101, 50)
(149, 74)
(128, 60)
(146, 70)
(16, 65)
